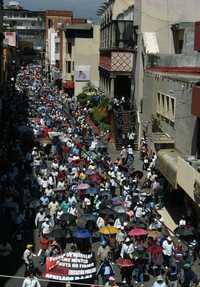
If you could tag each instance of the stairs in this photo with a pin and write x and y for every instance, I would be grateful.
(122, 123)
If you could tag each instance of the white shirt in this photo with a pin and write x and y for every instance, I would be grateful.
(46, 228)
(127, 249)
(117, 223)
(39, 218)
(31, 282)
(138, 212)
(27, 256)
(100, 222)
(167, 248)
(156, 284)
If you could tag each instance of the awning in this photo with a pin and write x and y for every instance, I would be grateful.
(168, 165)
(162, 141)
(150, 42)
(68, 85)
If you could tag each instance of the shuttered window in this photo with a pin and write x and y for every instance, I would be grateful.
(197, 37)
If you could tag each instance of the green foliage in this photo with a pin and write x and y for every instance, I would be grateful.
(105, 127)
(83, 98)
(98, 115)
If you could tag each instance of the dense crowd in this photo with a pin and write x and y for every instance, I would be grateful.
(77, 198)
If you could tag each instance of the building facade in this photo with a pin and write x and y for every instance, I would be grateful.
(29, 27)
(170, 111)
(80, 55)
(54, 21)
(116, 49)
(155, 21)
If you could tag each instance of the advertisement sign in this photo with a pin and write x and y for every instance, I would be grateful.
(10, 38)
(82, 73)
(71, 266)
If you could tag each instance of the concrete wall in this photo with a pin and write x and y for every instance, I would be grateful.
(86, 52)
(184, 127)
(158, 16)
(178, 60)
(120, 6)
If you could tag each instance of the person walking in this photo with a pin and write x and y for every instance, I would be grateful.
(28, 257)
(31, 281)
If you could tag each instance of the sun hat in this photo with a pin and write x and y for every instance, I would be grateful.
(29, 245)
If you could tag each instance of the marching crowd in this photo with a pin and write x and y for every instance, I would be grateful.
(72, 184)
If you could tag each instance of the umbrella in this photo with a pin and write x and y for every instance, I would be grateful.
(91, 191)
(82, 186)
(125, 262)
(81, 234)
(154, 234)
(137, 173)
(119, 209)
(106, 211)
(95, 178)
(116, 200)
(137, 232)
(185, 231)
(108, 230)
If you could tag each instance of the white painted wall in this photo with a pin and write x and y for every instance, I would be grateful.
(86, 52)
(158, 16)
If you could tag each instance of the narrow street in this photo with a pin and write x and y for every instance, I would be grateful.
(63, 163)
(100, 143)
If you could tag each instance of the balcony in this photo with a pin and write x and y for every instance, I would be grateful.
(117, 62)
(178, 63)
(118, 35)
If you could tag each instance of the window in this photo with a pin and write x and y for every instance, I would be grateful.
(158, 102)
(68, 67)
(167, 104)
(57, 48)
(178, 36)
(73, 66)
(173, 107)
(69, 48)
(163, 104)
(166, 107)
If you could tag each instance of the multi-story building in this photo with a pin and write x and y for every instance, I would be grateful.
(154, 20)
(30, 31)
(116, 48)
(54, 20)
(117, 61)
(170, 111)
(79, 55)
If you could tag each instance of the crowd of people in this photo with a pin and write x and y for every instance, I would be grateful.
(70, 183)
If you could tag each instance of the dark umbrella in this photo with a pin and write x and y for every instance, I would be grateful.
(119, 209)
(138, 173)
(185, 231)
(107, 211)
(116, 200)
(81, 234)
